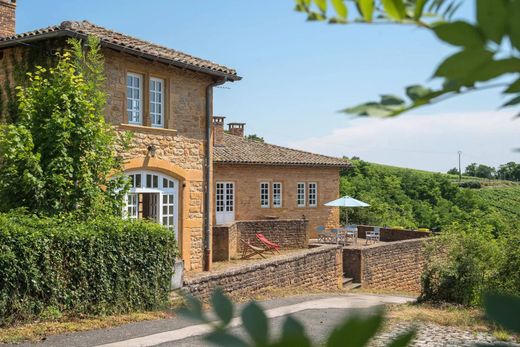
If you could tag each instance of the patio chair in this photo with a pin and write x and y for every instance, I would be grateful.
(351, 233)
(324, 236)
(336, 236)
(373, 236)
(248, 250)
(270, 245)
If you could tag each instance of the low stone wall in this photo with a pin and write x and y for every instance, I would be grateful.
(316, 268)
(391, 235)
(288, 233)
(390, 266)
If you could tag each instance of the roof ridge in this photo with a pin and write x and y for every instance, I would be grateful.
(119, 39)
(286, 148)
(75, 25)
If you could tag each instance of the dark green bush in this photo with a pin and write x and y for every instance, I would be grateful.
(470, 184)
(61, 265)
(461, 264)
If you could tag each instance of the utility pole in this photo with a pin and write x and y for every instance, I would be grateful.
(460, 170)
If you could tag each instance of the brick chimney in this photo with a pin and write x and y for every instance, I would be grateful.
(218, 130)
(236, 129)
(7, 18)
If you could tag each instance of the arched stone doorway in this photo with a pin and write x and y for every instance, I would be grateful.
(153, 195)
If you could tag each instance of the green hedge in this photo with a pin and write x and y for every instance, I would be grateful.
(62, 266)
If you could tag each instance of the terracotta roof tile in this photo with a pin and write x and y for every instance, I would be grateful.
(239, 150)
(127, 43)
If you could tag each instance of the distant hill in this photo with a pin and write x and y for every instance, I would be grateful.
(416, 198)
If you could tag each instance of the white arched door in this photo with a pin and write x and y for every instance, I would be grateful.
(154, 196)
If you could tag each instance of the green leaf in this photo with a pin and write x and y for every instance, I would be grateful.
(340, 8)
(255, 323)
(503, 309)
(193, 309)
(222, 305)
(461, 65)
(512, 102)
(322, 5)
(419, 8)
(394, 8)
(417, 92)
(513, 87)
(355, 331)
(389, 100)
(496, 68)
(492, 18)
(225, 339)
(403, 340)
(293, 334)
(367, 9)
(514, 23)
(459, 34)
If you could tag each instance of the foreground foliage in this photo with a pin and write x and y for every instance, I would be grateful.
(353, 331)
(60, 156)
(55, 266)
(488, 47)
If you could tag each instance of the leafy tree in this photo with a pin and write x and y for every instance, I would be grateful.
(509, 171)
(489, 47)
(480, 170)
(453, 171)
(60, 155)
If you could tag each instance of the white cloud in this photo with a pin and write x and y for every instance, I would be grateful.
(428, 142)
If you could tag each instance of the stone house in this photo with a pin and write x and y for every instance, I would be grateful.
(182, 167)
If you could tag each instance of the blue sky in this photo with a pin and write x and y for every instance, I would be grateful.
(297, 75)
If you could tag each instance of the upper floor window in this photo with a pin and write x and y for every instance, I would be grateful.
(313, 194)
(134, 98)
(277, 194)
(264, 194)
(157, 102)
(300, 194)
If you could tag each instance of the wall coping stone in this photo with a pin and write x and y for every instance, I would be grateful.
(387, 244)
(264, 263)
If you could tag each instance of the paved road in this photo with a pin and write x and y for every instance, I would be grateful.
(319, 313)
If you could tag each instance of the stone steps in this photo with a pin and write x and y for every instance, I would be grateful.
(349, 284)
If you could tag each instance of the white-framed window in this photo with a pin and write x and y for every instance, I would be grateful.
(157, 102)
(132, 206)
(300, 194)
(277, 194)
(134, 98)
(264, 194)
(313, 194)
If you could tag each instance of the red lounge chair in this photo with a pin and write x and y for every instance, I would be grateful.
(249, 250)
(270, 245)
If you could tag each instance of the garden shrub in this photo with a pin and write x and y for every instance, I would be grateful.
(471, 184)
(64, 266)
(460, 265)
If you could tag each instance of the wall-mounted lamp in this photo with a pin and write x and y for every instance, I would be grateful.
(151, 150)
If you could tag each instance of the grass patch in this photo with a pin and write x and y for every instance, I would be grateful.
(38, 331)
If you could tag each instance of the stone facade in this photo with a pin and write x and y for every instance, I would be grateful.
(316, 268)
(388, 266)
(289, 234)
(7, 17)
(247, 179)
(179, 145)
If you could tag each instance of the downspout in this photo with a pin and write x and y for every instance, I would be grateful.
(207, 173)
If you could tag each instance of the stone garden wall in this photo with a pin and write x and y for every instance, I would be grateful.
(391, 235)
(316, 268)
(388, 266)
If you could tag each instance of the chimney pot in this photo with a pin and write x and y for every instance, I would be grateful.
(218, 130)
(236, 129)
(7, 18)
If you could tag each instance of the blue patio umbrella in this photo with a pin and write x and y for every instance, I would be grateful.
(347, 201)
